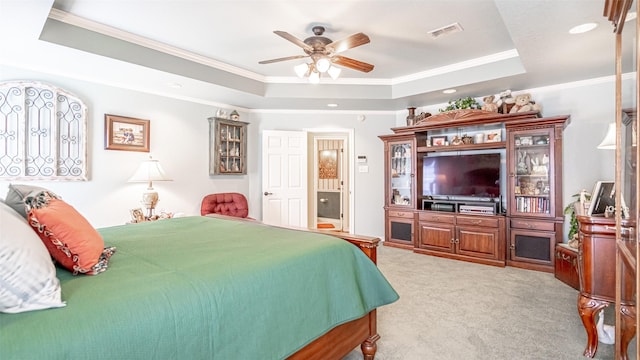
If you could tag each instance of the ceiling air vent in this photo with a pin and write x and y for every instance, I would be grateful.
(449, 29)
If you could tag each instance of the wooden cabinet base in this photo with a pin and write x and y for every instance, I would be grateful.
(474, 238)
(473, 259)
(530, 266)
(398, 245)
(532, 243)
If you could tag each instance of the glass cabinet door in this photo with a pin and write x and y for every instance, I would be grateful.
(532, 170)
(228, 146)
(401, 176)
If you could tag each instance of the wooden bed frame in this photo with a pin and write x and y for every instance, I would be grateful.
(341, 340)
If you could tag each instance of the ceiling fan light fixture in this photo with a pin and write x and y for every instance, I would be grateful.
(630, 16)
(301, 69)
(323, 64)
(314, 77)
(334, 72)
(323, 54)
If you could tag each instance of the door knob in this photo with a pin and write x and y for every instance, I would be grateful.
(267, 193)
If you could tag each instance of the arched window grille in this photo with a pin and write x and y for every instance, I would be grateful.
(43, 133)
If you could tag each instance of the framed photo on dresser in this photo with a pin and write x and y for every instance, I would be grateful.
(602, 197)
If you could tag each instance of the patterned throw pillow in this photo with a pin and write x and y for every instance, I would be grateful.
(68, 236)
(27, 275)
(16, 194)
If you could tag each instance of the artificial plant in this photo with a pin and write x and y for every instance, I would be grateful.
(462, 103)
(570, 210)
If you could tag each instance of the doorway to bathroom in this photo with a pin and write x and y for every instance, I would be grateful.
(331, 181)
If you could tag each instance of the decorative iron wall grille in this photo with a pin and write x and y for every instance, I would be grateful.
(43, 133)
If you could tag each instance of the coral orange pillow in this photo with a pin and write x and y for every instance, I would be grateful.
(68, 236)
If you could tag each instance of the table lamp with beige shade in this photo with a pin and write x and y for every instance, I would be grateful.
(149, 171)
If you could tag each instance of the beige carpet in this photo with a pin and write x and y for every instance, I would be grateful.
(452, 310)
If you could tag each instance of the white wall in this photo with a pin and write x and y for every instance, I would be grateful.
(368, 187)
(179, 140)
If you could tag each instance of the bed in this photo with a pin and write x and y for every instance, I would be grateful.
(211, 288)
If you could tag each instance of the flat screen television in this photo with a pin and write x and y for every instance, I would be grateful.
(448, 176)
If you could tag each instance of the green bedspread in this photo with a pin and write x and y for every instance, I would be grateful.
(201, 288)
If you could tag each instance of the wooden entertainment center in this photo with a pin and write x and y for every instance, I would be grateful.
(519, 227)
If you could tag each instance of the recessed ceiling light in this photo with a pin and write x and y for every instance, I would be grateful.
(449, 91)
(174, 85)
(583, 28)
(332, 105)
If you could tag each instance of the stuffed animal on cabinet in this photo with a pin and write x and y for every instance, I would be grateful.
(524, 103)
(489, 104)
(505, 102)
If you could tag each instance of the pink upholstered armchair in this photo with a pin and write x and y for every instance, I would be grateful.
(231, 204)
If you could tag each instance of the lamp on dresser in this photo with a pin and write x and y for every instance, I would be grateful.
(609, 141)
(149, 171)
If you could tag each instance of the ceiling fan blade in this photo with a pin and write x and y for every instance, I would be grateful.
(293, 39)
(348, 43)
(282, 59)
(352, 63)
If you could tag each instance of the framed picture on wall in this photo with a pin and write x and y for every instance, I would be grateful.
(126, 133)
(328, 164)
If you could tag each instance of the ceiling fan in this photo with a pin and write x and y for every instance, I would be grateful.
(324, 52)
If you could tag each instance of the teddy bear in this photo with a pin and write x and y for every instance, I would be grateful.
(488, 104)
(505, 102)
(524, 103)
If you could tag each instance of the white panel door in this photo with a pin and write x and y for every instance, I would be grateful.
(284, 178)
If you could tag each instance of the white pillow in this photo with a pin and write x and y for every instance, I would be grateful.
(27, 275)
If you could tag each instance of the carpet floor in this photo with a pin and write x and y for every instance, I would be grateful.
(452, 310)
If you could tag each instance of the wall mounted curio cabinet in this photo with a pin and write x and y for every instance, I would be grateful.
(227, 147)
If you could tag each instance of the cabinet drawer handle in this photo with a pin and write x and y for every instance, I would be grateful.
(622, 229)
(563, 256)
(476, 222)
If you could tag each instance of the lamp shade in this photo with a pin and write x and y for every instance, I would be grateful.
(323, 64)
(334, 72)
(301, 70)
(314, 77)
(149, 170)
(609, 141)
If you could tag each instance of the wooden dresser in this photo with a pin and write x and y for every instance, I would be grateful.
(597, 274)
